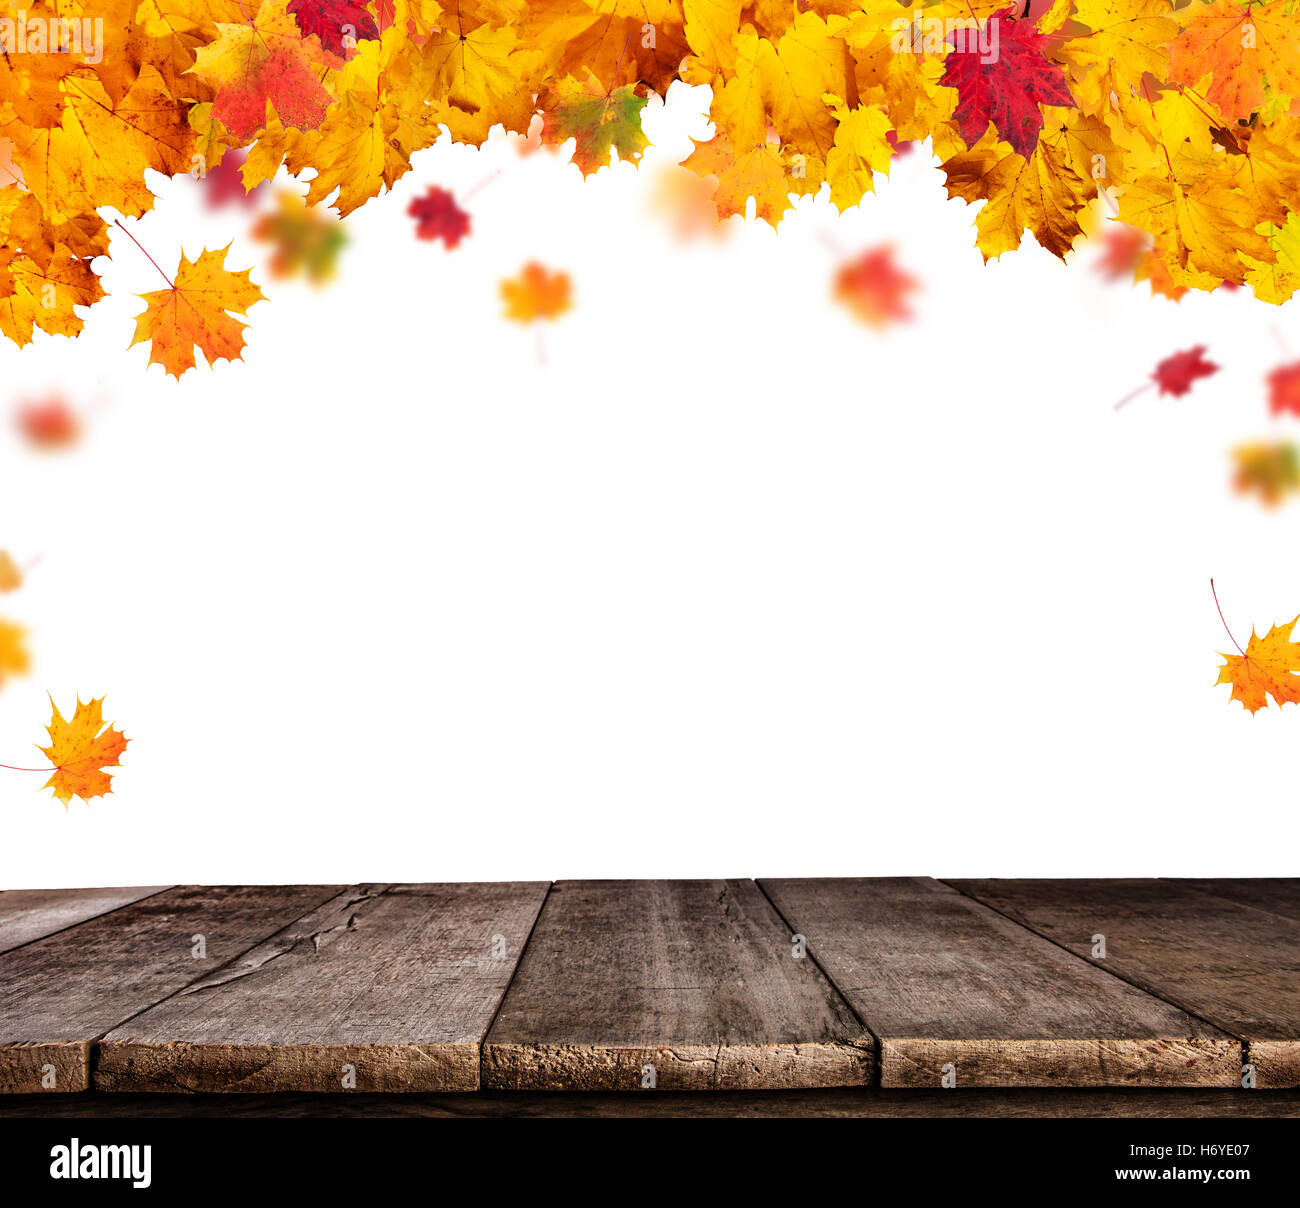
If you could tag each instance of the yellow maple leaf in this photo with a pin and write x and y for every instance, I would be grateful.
(14, 659)
(537, 293)
(1269, 666)
(194, 313)
(80, 750)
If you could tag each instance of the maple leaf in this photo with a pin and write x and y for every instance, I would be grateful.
(1007, 89)
(339, 24)
(1176, 374)
(224, 183)
(1269, 469)
(80, 750)
(439, 217)
(259, 62)
(1269, 666)
(49, 423)
(537, 293)
(1244, 50)
(1284, 389)
(11, 577)
(194, 313)
(596, 118)
(1123, 247)
(306, 239)
(873, 287)
(14, 659)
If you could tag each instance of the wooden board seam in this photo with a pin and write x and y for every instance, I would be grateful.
(1168, 999)
(112, 910)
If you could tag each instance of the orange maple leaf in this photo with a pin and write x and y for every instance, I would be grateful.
(13, 650)
(874, 288)
(80, 749)
(1269, 666)
(193, 313)
(11, 577)
(537, 293)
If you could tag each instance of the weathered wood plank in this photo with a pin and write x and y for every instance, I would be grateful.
(947, 984)
(1233, 965)
(696, 979)
(32, 914)
(373, 991)
(60, 993)
(851, 1102)
(1277, 895)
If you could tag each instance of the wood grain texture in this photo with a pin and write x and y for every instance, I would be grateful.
(851, 1102)
(945, 982)
(1277, 895)
(694, 978)
(31, 914)
(400, 986)
(61, 993)
(1230, 964)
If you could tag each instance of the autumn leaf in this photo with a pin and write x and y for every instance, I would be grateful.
(339, 24)
(224, 183)
(873, 287)
(1007, 89)
(49, 423)
(537, 293)
(1176, 374)
(14, 659)
(1284, 389)
(11, 577)
(305, 239)
(80, 750)
(1269, 666)
(195, 313)
(437, 216)
(597, 119)
(1269, 469)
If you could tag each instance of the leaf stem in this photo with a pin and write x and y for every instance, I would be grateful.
(1128, 398)
(117, 222)
(1215, 594)
(10, 767)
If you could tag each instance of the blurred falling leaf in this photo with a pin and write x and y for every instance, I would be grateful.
(873, 287)
(1176, 374)
(1270, 470)
(224, 184)
(437, 216)
(49, 423)
(536, 293)
(306, 240)
(11, 577)
(686, 201)
(1284, 389)
(14, 659)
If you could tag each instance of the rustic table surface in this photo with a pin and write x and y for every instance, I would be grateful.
(884, 997)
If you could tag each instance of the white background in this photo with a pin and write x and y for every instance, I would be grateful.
(729, 585)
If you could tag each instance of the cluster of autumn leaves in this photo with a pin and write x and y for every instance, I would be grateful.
(1177, 115)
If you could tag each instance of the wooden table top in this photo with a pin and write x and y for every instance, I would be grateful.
(822, 988)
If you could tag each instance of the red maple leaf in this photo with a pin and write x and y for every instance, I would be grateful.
(1122, 249)
(439, 217)
(334, 21)
(1284, 389)
(49, 423)
(1005, 84)
(898, 146)
(1175, 375)
(225, 183)
(873, 287)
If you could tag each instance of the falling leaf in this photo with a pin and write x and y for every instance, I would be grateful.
(1008, 88)
(1269, 666)
(873, 287)
(14, 659)
(306, 239)
(437, 216)
(1270, 470)
(1284, 389)
(194, 313)
(49, 423)
(686, 201)
(537, 293)
(80, 750)
(1176, 374)
(224, 184)
(1123, 247)
(11, 577)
